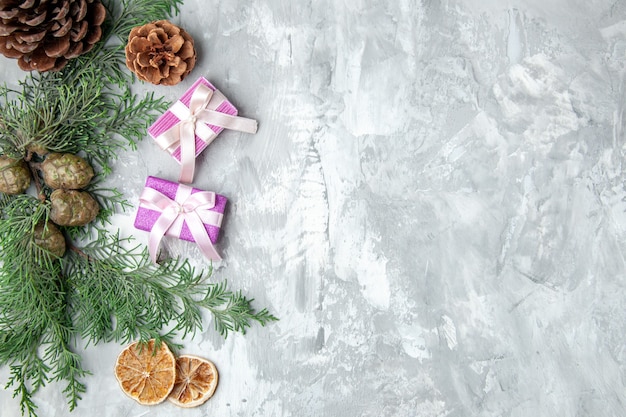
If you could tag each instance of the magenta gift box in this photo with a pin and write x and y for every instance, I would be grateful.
(167, 120)
(146, 218)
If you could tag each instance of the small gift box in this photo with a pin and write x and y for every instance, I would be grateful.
(172, 209)
(193, 122)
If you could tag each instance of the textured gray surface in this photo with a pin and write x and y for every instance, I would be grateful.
(433, 205)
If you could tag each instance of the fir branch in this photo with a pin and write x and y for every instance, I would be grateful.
(125, 308)
(33, 307)
(108, 58)
(128, 120)
(85, 116)
(233, 311)
(11, 111)
(138, 12)
(121, 295)
(18, 379)
(61, 117)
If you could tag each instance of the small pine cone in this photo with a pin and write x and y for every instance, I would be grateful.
(14, 175)
(50, 238)
(160, 53)
(44, 34)
(72, 207)
(65, 170)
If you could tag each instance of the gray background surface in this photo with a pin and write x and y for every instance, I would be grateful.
(433, 205)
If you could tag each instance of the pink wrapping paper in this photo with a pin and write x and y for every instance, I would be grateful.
(168, 119)
(146, 218)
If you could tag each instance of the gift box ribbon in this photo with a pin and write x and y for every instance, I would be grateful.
(193, 209)
(194, 121)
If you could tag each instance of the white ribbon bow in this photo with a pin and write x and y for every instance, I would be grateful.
(194, 121)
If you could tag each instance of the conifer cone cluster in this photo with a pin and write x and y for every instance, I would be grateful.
(66, 174)
(44, 34)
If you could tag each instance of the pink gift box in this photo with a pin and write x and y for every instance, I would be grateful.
(168, 119)
(146, 217)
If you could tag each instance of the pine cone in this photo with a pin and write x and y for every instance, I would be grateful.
(44, 34)
(50, 238)
(160, 53)
(14, 175)
(65, 170)
(72, 208)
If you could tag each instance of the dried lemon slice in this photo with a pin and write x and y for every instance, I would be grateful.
(196, 380)
(145, 373)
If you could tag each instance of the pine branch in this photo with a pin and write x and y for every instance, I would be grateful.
(85, 116)
(138, 12)
(128, 119)
(233, 311)
(18, 379)
(121, 295)
(33, 308)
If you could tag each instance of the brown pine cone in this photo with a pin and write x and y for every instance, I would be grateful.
(44, 34)
(72, 208)
(14, 175)
(50, 238)
(160, 53)
(65, 170)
